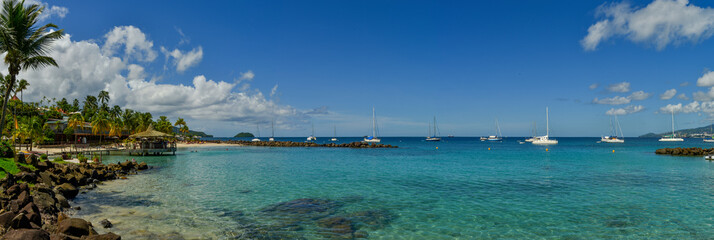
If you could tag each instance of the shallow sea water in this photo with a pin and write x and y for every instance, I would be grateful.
(578, 189)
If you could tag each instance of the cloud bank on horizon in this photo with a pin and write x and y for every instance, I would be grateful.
(87, 67)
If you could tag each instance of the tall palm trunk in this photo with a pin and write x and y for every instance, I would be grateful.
(4, 102)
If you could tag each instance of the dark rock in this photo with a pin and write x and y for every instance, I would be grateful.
(68, 190)
(76, 227)
(20, 221)
(6, 219)
(106, 236)
(24, 198)
(30, 208)
(27, 234)
(142, 166)
(337, 225)
(77, 208)
(62, 201)
(13, 190)
(106, 223)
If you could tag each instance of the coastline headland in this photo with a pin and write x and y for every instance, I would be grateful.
(693, 151)
(34, 201)
(303, 144)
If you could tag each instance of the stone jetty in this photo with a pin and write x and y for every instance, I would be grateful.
(693, 151)
(308, 144)
(33, 201)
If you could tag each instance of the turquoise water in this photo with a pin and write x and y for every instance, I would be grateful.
(578, 189)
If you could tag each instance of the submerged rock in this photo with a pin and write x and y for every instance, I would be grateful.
(106, 223)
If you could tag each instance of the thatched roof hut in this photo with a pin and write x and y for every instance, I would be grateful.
(150, 133)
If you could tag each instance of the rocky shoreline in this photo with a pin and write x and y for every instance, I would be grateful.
(34, 201)
(694, 151)
(305, 144)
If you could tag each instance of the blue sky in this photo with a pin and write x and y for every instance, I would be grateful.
(465, 62)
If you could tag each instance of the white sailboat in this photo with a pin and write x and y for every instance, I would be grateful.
(498, 132)
(373, 138)
(613, 129)
(334, 138)
(257, 139)
(711, 139)
(312, 137)
(535, 134)
(673, 138)
(433, 138)
(272, 131)
(544, 140)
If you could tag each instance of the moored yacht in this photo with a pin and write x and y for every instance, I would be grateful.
(545, 140)
(674, 137)
(373, 138)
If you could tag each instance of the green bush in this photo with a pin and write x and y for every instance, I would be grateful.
(6, 149)
(58, 159)
(43, 156)
(82, 158)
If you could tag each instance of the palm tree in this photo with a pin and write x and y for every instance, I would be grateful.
(76, 121)
(22, 85)
(100, 123)
(25, 44)
(180, 122)
(184, 130)
(116, 126)
(104, 98)
(164, 125)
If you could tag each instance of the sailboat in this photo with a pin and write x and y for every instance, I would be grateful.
(544, 140)
(673, 138)
(272, 130)
(711, 139)
(498, 132)
(257, 139)
(430, 137)
(334, 138)
(373, 138)
(312, 137)
(613, 131)
(535, 133)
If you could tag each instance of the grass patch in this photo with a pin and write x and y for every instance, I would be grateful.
(8, 165)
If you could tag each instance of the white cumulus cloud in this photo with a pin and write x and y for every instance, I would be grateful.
(184, 60)
(619, 87)
(135, 43)
(669, 94)
(706, 80)
(683, 96)
(85, 68)
(617, 100)
(639, 95)
(679, 108)
(626, 110)
(660, 23)
(593, 86)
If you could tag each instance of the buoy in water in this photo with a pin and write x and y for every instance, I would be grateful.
(546, 149)
(613, 150)
(489, 149)
(437, 148)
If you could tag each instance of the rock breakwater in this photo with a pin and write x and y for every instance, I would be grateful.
(33, 201)
(694, 151)
(308, 144)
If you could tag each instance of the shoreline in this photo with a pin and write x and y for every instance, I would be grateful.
(36, 200)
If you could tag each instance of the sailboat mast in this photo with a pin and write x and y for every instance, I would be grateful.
(313, 129)
(272, 128)
(335, 130)
(374, 123)
(672, 123)
(435, 126)
(547, 124)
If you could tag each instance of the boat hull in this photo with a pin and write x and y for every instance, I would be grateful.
(373, 140)
(671, 140)
(545, 142)
(433, 139)
(610, 140)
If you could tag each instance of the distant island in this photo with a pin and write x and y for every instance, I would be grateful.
(244, 134)
(699, 132)
(192, 133)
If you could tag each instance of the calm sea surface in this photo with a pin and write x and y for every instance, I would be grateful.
(578, 189)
